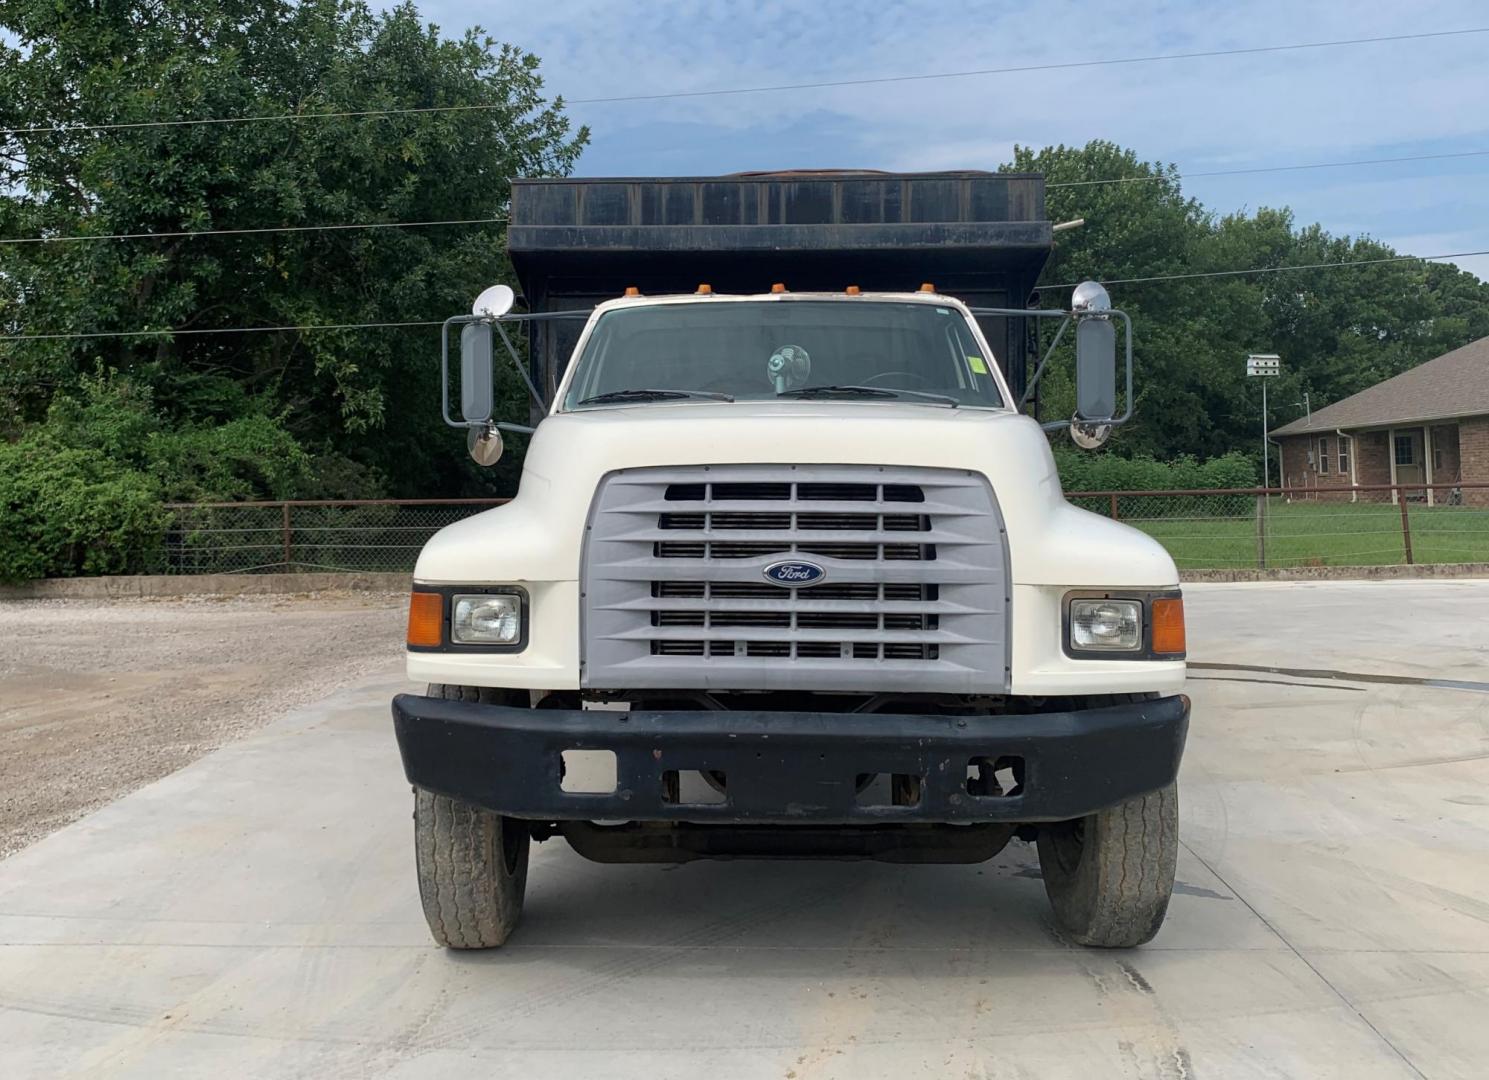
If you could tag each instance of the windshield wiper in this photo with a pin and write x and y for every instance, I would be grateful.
(651, 395)
(848, 390)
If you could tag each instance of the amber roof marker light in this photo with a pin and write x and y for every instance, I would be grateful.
(778, 287)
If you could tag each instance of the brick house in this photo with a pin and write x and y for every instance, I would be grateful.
(1428, 425)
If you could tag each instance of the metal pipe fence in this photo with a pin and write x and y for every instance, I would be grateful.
(1261, 528)
(304, 535)
(1203, 529)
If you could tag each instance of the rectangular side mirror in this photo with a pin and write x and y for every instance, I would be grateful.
(476, 389)
(1096, 369)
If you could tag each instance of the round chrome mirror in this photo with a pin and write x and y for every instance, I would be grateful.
(1089, 436)
(485, 445)
(494, 302)
(1090, 297)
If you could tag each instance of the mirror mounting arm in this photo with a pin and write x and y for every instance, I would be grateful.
(517, 363)
(1049, 354)
(465, 320)
(1066, 319)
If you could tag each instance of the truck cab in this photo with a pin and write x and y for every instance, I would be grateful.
(789, 572)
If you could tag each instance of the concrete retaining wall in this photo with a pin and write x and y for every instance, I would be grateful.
(1342, 573)
(146, 585)
(143, 586)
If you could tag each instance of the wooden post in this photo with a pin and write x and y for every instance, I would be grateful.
(1405, 526)
(1114, 507)
(1261, 531)
(285, 530)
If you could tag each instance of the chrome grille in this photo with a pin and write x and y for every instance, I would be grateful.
(915, 595)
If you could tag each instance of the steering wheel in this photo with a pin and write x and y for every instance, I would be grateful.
(912, 375)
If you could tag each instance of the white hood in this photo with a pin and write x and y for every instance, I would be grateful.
(538, 536)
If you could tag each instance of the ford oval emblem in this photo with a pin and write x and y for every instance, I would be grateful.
(794, 574)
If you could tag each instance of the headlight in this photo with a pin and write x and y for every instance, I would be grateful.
(1106, 625)
(487, 619)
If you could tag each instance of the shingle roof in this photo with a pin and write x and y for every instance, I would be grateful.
(1454, 384)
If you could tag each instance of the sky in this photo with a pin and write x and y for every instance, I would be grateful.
(1393, 99)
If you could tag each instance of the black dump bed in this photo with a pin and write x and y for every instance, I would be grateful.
(982, 237)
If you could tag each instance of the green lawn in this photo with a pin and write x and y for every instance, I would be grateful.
(1311, 533)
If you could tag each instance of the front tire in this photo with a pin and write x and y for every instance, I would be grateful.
(472, 871)
(472, 863)
(1109, 875)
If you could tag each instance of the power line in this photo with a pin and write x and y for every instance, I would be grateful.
(246, 232)
(436, 322)
(1269, 169)
(1067, 65)
(1274, 269)
(217, 330)
(771, 88)
(502, 220)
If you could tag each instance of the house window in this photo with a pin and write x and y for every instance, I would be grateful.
(1343, 456)
(1405, 450)
(1323, 456)
(1437, 457)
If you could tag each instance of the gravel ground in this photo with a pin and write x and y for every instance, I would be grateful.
(99, 698)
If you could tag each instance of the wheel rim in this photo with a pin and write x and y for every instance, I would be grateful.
(511, 844)
(1069, 844)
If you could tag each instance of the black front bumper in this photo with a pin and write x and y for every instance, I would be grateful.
(785, 768)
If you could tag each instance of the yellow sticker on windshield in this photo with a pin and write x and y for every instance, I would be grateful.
(978, 364)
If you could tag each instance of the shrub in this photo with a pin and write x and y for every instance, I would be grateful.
(81, 492)
(251, 457)
(66, 511)
(1081, 471)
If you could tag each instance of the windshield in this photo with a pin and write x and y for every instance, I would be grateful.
(796, 349)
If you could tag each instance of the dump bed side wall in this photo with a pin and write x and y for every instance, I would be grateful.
(981, 237)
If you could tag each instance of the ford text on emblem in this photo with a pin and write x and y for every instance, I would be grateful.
(794, 574)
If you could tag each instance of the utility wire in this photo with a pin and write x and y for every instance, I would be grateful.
(822, 85)
(219, 330)
(1268, 169)
(1272, 269)
(436, 322)
(501, 220)
(246, 232)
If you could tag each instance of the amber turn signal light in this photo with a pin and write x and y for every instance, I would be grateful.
(1168, 626)
(426, 619)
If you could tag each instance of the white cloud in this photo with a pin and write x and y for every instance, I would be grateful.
(1240, 108)
(1443, 242)
(1252, 110)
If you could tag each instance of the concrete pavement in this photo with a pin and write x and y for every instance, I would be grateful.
(256, 913)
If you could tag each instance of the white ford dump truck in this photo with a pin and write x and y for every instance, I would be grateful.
(789, 572)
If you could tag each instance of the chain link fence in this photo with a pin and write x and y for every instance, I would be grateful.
(1219, 529)
(298, 536)
(1254, 528)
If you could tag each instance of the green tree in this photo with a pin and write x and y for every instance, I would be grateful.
(363, 404)
(1338, 330)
